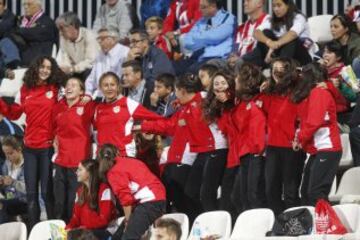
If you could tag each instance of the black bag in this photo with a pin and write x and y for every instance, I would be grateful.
(292, 223)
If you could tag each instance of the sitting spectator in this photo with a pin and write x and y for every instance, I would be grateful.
(78, 46)
(163, 95)
(81, 234)
(154, 27)
(167, 228)
(206, 73)
(210, 37)
(36, 34)
(8, 128)
(343, 31)
(286, 35)
(354, 13)
(245, 40)
(111, 57)
(7, 19)
(180, 19)
(135, 87)
(153, 8)
(12, 181)
(115, 15)
(154, 61)
(94, 208)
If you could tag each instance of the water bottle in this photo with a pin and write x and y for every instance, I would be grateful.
(196, 231)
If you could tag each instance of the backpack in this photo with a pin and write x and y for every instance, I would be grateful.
(292, 223)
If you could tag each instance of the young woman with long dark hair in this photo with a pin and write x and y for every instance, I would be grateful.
(36, 99)
(94, 208)
(319, 134)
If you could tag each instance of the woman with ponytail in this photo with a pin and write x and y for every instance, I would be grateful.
(140, 192)
(94, 208)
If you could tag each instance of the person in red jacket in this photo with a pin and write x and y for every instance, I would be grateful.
(94, 208)
(36, 99)
(319, 134)
(140, 192)
(115, 116)
(283, 166)
(72, 130)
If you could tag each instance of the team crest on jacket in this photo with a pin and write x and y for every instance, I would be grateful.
(259, 103)
(248, 106)
(80, 111)
(116, 109)
(49, 94)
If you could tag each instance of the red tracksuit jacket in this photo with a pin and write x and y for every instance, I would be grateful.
(280, 114)
(318, 123)
(133, 183)
(37, 103)
(72, 127)
(163, 43)
(182, 13)
(84, 217)
(114, 122)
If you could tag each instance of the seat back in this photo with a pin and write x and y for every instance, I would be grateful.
(349, 215)
(253, 223)
(42, 230)
(349, 181)
(320, 28)
(213, 223)
(13, 231)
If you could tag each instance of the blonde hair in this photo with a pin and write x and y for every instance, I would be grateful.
(157, 20)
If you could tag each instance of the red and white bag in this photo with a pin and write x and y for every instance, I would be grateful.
(326, 220)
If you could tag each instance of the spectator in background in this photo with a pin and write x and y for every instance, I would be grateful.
(115, 15)
(245, 40)
(12, 182)
(206, 73)
(154, 61)
(353, 11)
(163, 95)
(135, 86)
(181, 17)
(153, 8)
(36, 34)
(81, 234)
(167, 229)
(343, 31)
(78, 46)
(211, 37)
(111, 57)
(154, 28)
(7, 19)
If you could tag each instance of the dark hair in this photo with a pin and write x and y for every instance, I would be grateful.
(13, 142)
(218, 3)
(57, 76)
(288, 19)
(346, 21)
(250, 78)
(335, 47)
(171, 226)
(111, 75)
(90, 195)
(149, 151)
(78, 79)
(135, 66)
(212, 108)
(311, 75)
(211, 69)
(287, 81)
(189, 82)
(106, 157)
(81, 234)
(167, 79)
(143, 34)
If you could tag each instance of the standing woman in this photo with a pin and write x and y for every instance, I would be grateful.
(36, 99)
(319, 134)
(344, 31)
(72, 130)
(140, 192)
(286, 35)
(115, 116)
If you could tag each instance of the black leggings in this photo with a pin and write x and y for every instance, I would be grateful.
(37, 167)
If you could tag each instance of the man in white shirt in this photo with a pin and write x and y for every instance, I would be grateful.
(78, 46)
(111, 57)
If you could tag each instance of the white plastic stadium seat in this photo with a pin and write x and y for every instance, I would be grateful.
(9, 88)
(346, 158)
(320, 28)
(348, 184)
(184, 223)
(253, 224)
(349, 215)
(214, 223)
(42, 230)
(13, 231)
